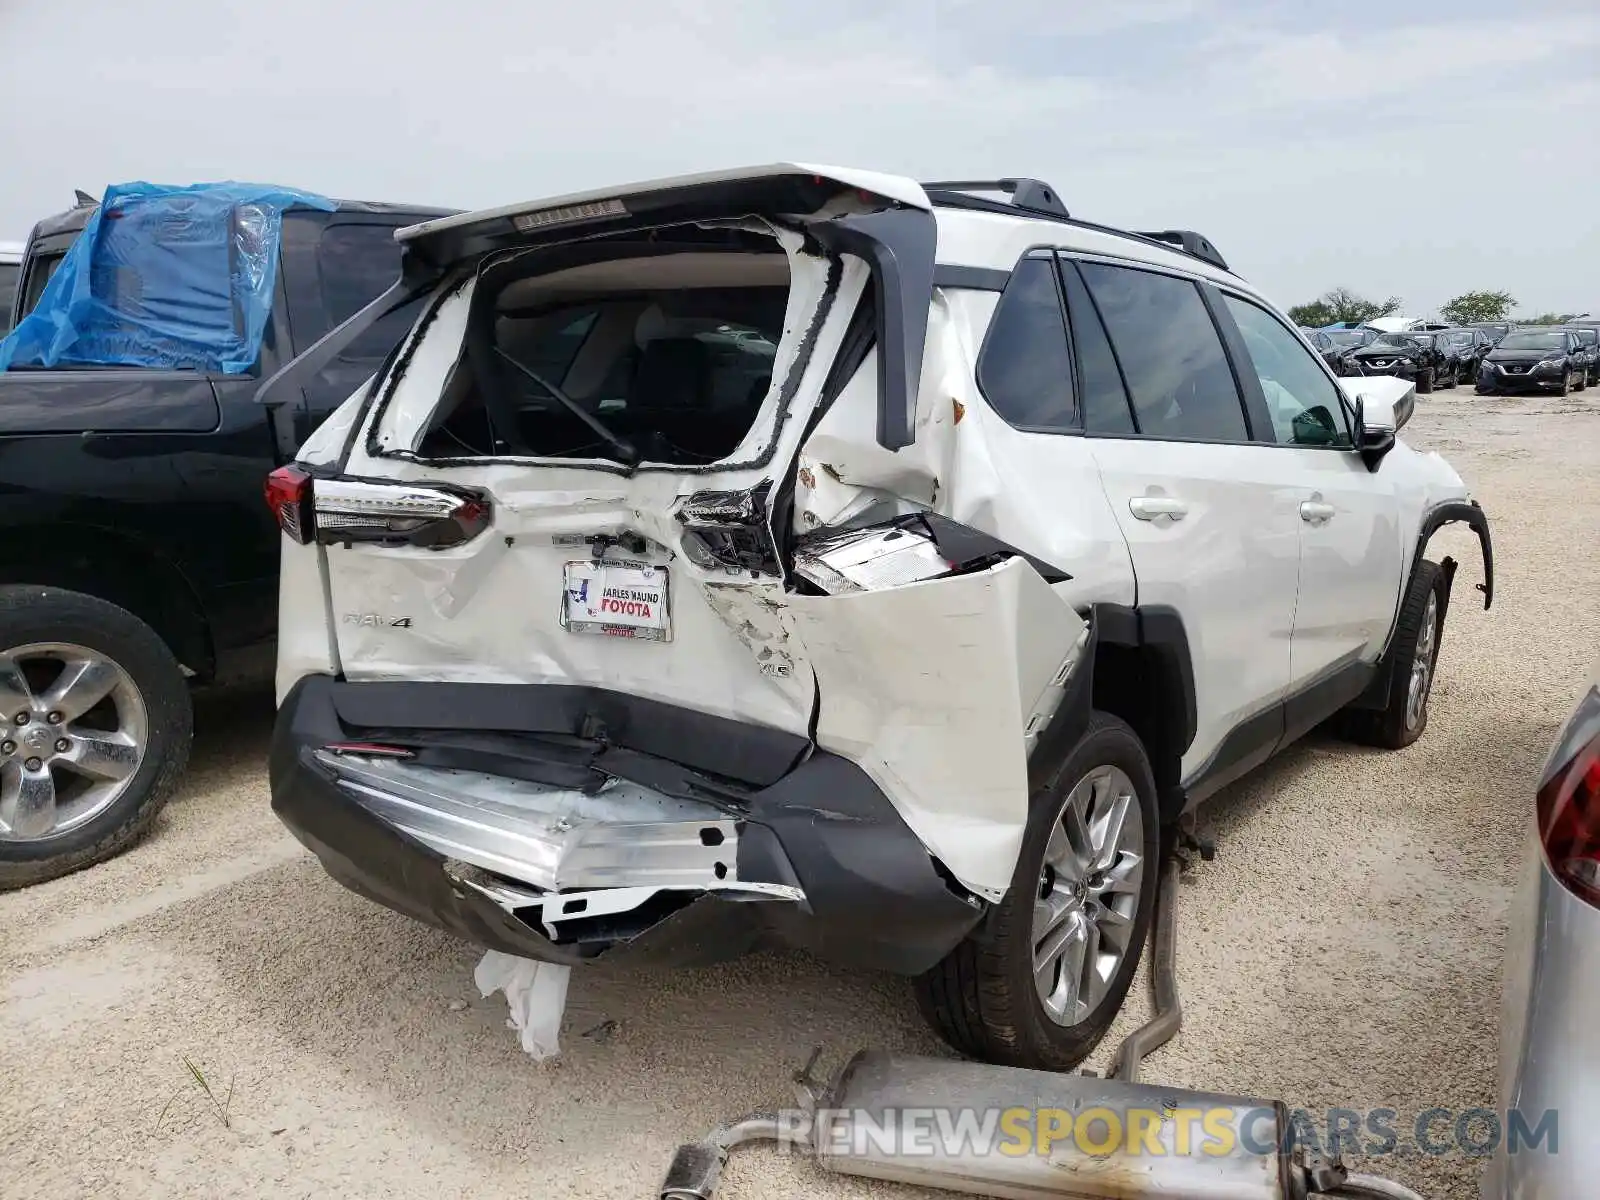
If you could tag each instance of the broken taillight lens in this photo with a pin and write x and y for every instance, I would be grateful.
(1569, 804)
(288, 492)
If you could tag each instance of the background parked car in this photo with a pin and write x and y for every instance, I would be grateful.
(1549, 1051)
(1407, 355)
(10, 272)
(1338, 344)
(1465, 349)
(1589, 341)
(1538, 358)
(1495, 329)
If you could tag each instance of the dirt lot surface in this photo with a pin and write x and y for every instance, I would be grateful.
(1343, 949)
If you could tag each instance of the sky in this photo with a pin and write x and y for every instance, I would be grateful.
(1414, 149)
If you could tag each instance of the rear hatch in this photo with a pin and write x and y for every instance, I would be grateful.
(615, 386)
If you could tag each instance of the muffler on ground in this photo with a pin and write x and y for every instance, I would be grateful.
(1030, 1135)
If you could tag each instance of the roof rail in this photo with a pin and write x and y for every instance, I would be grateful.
(1193, 244)
(1035, 198)
(1034, 195)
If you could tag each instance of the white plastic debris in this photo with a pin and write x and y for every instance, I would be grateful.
(536, 994)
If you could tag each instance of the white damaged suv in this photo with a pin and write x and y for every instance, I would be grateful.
(810, 557)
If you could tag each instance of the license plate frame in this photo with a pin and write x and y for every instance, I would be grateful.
(616, 599)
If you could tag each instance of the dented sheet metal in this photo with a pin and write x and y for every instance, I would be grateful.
(931, 688)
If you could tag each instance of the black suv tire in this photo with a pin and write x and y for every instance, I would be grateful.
(31, 615)
(982, 998)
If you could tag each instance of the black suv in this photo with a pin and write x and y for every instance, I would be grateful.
(1536, 358)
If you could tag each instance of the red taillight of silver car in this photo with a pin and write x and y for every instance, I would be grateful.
(1569, 804)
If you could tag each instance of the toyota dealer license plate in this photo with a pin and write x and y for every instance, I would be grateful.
(616, 599)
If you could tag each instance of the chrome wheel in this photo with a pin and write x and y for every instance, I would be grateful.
(1088, 894)
(1422, 663)
(73, 732)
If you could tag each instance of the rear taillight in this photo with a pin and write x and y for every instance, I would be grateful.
(429, 516)
(346, 511)
(288, 493)
(1569, 804)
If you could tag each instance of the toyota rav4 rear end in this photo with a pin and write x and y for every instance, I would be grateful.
(616, 620)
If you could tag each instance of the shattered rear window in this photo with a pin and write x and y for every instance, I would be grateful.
(665, 359)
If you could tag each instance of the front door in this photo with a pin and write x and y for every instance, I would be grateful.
(1350, 551)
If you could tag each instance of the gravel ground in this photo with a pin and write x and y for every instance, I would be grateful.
(1342, 950)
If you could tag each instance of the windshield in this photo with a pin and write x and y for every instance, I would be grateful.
(8, 292)
(1347, 337)
(1532, 341)
(1404, 341)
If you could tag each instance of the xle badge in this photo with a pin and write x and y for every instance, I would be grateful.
(377, 621)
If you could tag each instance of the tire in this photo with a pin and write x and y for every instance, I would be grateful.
(1566, 384)
(982, 998)
(115, 761)
(1583, 381)
(1398, 725)
(1425, 383)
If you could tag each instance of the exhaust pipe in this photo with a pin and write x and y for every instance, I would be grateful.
(1031, 1135)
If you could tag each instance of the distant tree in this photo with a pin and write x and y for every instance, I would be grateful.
(1478, 306)
(1341, 304)
(1549, 318)
(1313, 316)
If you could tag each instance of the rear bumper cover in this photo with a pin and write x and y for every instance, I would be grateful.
(869, 894)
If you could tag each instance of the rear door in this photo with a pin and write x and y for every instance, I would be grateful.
(1209, 513)
(661, 579)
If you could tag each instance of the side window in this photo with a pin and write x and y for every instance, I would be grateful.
(1105, 400)
(355, 265)
(8, 293)
(1025, 370)
(1170, 354)
(1303, 402)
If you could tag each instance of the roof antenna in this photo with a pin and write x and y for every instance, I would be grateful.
(83, 199)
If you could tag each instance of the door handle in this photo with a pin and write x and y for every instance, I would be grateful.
(1315, 511)
(1148, 508)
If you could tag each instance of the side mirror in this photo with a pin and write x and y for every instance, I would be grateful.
(1315, 427)
(1373, 441)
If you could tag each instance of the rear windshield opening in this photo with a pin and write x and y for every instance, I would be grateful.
(662, 359)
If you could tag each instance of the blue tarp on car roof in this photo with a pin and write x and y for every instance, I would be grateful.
(179, 278)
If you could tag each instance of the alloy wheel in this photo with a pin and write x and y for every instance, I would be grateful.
(1422, 663)
(73, 733)
(1088, 894)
